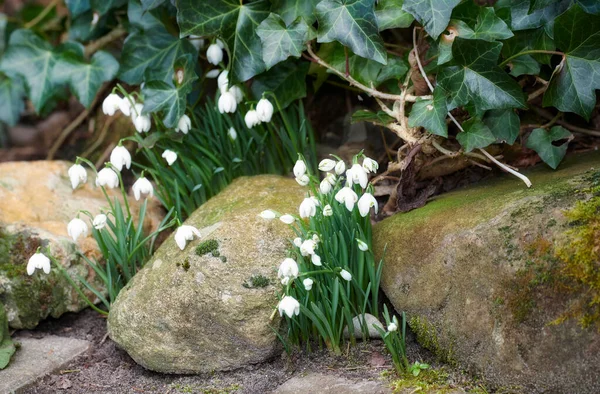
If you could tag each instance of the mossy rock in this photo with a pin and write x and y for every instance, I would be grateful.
(487, 276)
(189, 311)
(7, 346)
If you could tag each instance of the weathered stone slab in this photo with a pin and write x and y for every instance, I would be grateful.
(317, 383)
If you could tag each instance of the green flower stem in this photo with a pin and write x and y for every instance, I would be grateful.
(529, 52)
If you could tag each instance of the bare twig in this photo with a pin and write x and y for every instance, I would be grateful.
(567, 125)
(41, 15)
(94, 46)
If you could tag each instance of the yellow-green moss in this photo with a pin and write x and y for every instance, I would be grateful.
(434, 380)
(208, 246)
(427, 336)
(256, 281)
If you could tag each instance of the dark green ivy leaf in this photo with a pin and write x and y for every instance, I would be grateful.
(372, 117)
(434, 15)
(363, 70)
(3, 33)
(280, 41)
(523, 41)
(154, 48)
(103, 6)
(235, 23)
(77, 7)
(85, 79)
(395, 69)
(521, 19)
(475, 77)
(475, 135)
(32, 58)
(287, 80)
(573, 84)
(504, 124)
(148, 5)
(290, 10)
(590, 6)
(430, 114)
(353, 24)
(144, 20)
(390, 15)
(171, 98)
(11, 95)
(541, 141)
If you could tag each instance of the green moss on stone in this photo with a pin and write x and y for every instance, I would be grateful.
(427, 336)
(256, 281)
(208, 246)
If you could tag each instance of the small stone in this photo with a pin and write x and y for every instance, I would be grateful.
(321, 383)
(370, 321)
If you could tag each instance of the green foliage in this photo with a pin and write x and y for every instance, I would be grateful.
(390, 15)
(475, 135)
(430, 114)
(434, 15)
(541, 141)
(7, 346)
(280, 41)
(504, 124)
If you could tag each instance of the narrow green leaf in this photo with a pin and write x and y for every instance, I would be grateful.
(11, 95)
(290, 10)
(476, 135)
(148, 5)
(280, 41)
(434, 15)
(390, 15)
(430, 114)
(353, 24)
(541, 141)
(287, 80)
(504, 125)
(373, 117)
(103, 6)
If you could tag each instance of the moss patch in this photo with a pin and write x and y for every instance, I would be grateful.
(427, 336)
(256, 281)
(208, 246)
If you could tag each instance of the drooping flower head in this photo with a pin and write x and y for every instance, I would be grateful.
(169, 156)
(264, 110)
(120, 157)
(290, 306)
(214, 54)
(99, 221)
(142, 186)
(185, 233)
(77, 228)
(184, 124)
(365, 203)
(288, 271)
(77, 175)
(107, 177)
(38, 261)
(227, 103)
(308, 208)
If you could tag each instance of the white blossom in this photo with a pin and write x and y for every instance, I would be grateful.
(325, 187)
(362, 245)
(303, 180)
(99, 221)
(346, 275)
(38, 261)
(196, 41)
(357, 175)
(308, 284)
(213, 73)
(331, 178)
(268, 214)
(77, 228)
(308, 247)
(251, 119)
(107, 177)
(77, 175)
(308, 208)
(169, 156)
(327, 210)
(237, 93)
(142, 186)
(287, 219)
(95, 18)
(232, 134)
(141, 122)
(347, 196)
(326, 165)
(316, 260)
(298, 241)
(290, 306)
(227, 103)
(264, 110)
(126, 105)
(185, 233)
(299, 168)
(120, 157)
(184, 124)
(288, 270)
(111, 104)
(223, 81)
(393, 326)
(370, 165)
(214, 54)
(340, 167)
(365, 203)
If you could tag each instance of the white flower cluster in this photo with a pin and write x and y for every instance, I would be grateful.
(230, 96)
(262, 113)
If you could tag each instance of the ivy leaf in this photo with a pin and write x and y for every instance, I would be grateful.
(363, 70)
(573, 84)
(521, 19)
(154, 48)
(280, 42)
(3, 33)
(390, 15)
(235, 23)
(103, 6)
(434, 15)
(430, 114)
(77, 7)
(523, 41)
(85, 79)
(171, 97)
(476, 77)
(142, 19)
(504, 124)
(395, 69)
(353, 24)
(475, 135)
(287, 81)
(539, 4)
(590, 6)
(11, 95)
(373, 117)
(290, 10)
(32, 58)
(541, 141)
(486, 25)
(148, 5)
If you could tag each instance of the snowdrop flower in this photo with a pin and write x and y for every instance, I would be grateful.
(287, 219)
(141, 122)
(220, 43)
(213, 73)
(365, 203)
(346, 275)
(325, 187)
(340, 167)
(316, 238)
(393, 326)
(264, 110)
(326, 165)
(331, 178)
(362, 245)
(185, 233)
(268, 214)
(288, 269)
(232, 134)
(107, 177)
(316, 260)
(111, 104)
(237, 93)
(169, 156)
(370, 165)
(299, 168)
(308, 247)
(120, 157)
(95, 18)
(196, 41)
(303, 180)
(77, 228)
(327, 210)
(308, 208)
(142, 186)
(125, 105)
(298, 241)
(214, 54)
(357, 175)
(315, 200)
(227, 103)
(184, 125)
(289, 306)
(223, 81)
(77, 175)
(308, 283)
(347, 196)
(99, 221)
(251, 119)
(38, 261)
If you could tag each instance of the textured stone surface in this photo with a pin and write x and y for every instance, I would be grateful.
(477, 274)
(187, 313)
(37, 204)
(316, 383)
(38, 357)
(7, 346)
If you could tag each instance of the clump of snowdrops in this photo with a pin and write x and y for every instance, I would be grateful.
(122, 240)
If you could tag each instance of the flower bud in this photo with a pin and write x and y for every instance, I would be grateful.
(264, 110)
(214, 54)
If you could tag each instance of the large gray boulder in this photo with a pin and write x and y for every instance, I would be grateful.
(203, 309)
(504, 280)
